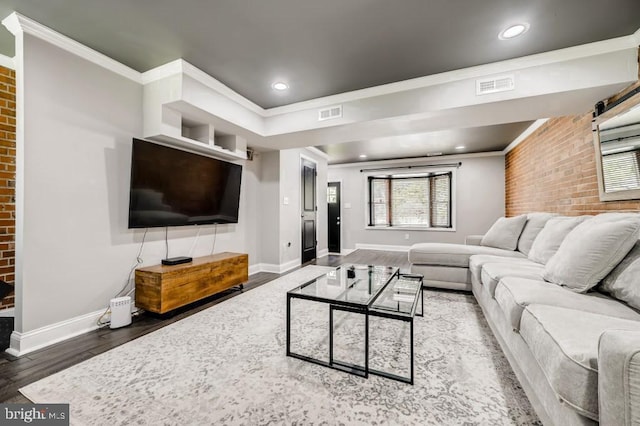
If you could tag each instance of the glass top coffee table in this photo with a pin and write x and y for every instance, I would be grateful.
(368, 290)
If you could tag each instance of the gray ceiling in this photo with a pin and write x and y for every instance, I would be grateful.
(323, 47)
(332, 46)
(444, 142)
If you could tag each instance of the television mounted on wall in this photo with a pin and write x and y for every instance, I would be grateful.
(171, 187)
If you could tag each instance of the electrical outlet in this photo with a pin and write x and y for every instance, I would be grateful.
(406, 236)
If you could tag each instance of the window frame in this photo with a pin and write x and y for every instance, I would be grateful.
(412, 173)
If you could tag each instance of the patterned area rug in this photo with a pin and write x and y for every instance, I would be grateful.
(227, 366)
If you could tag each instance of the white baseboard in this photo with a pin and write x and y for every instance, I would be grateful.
(254, 269)
(24, 343)
(346, 252)
(275, 268)
(323, 253)
(281, 268)
(7, 313)
(382, 247)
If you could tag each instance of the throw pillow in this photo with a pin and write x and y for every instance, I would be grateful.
(591, 250)
(551, 236)
(505, 233)
(622, 283)
(535, 223)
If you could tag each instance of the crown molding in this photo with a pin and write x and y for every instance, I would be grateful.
(18, 24)
(510, 65)
(181, 66)
(7, 62)
(527, 132)
(12, 23)
(161, 71)
(318, 152)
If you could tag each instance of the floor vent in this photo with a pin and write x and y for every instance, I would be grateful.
(330, 113)
(494, 85)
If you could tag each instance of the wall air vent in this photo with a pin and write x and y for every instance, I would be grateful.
(502, 83)
(330, 113)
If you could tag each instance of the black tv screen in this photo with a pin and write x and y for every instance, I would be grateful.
(170, 187)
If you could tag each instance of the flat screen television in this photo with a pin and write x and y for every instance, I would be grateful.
(170, 187)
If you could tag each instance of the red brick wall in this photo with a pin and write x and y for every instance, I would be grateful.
(554, 170)
(7, 178)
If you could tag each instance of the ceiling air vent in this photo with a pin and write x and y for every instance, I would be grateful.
(495, 85)
(330, 113)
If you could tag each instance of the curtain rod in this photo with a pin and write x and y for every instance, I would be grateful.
(458, 164)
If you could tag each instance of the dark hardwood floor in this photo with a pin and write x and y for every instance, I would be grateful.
(18, 372)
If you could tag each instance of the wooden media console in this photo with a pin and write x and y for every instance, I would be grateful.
(162, 288)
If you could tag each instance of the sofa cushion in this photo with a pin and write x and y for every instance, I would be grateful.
(505, 233)
(551, 236)
(623, 282)
(514, 294)
(535, 223)
(444, 254)
(492, 273)
(592, 249)
(477, 261)
(565, 344)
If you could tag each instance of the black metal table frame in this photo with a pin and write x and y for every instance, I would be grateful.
(359, 370)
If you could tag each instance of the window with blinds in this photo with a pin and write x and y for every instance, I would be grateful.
(621, 171)
(411, 200)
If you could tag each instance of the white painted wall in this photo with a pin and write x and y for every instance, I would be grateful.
(269, 208)
(290, 214)
(75, 249)
(479, 201)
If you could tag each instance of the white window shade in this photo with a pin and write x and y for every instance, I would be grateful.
(621, 171)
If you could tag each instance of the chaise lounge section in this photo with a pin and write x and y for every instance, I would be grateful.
(562, 302)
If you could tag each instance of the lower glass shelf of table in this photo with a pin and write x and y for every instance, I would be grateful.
(372, 291)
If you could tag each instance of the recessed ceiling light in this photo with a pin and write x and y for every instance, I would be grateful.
(513, 31)
(279, 85)
(363, 155)
(459, 147)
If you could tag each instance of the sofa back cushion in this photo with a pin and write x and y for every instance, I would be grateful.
(549, 239)
(535, 223)
(623, 282)
(505, 233)
(592, 249)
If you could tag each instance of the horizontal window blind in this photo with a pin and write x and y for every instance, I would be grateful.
(422, 200)
(621, 171)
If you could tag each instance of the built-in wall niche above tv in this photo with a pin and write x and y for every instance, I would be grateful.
(172, 187)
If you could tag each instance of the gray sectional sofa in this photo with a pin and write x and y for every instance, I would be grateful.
(562, 297)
